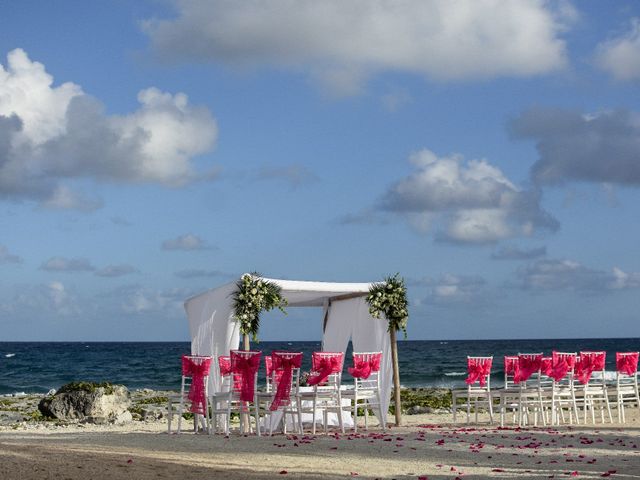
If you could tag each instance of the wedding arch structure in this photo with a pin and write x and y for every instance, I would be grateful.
(214, 330)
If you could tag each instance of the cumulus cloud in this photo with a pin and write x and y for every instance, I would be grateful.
(52, 297)
(61, 264)
(7, 257)
(294, 175)
(474, 200)
(620, 56)
(185, 242)
(342, 43)
(515, 253)
(58, 133)
(63, 198)
(573, 146)
(116, 271)
(453, 289)
(568, 275)
(140, 300)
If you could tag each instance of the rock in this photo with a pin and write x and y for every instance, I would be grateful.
(102, 405)
(417, 410)
(10, 418)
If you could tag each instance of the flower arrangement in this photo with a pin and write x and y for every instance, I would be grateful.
(253, 296)
(390, 298)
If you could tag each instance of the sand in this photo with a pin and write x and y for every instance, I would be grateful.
(427, 446)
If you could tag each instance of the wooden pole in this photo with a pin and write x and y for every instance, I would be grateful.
(396, 377)
(247, 345)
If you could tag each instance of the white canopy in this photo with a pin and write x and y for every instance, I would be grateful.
(346, 317)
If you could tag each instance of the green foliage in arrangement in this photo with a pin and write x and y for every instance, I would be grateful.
(254, 296)
(390, 299)
(89, 387)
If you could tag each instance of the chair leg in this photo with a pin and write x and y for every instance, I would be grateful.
(490, 401)
(355, 414)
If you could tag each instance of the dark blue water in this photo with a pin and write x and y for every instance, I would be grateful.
(39, 366)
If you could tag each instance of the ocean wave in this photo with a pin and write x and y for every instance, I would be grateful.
(9, 355)
(455, 374)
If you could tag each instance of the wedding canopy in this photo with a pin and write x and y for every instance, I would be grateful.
(345, 317)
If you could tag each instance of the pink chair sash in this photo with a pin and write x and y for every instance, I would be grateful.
(478, 370)
(627, 363)
(197, 369)
(364, 366)
(224, 362)
(510, 365)
(561, 365)
(247, 368)
(284, 364)
(268, 364)
(589, 363)
(546, 365)
(527, 366)
(323, 366)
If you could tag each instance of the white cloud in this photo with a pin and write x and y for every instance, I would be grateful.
(558, 275)
(202, 273)
(474, 200)
(588, 147)
(57, 133)
(139, 300)
(61, 264)
(342, 43)
(53, 297)
(7, 257)
(63, 198)
(185, 242)
(517, 253)
(620, 56)
(453, 289)
(116, 271)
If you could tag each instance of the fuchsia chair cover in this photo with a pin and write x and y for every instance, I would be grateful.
(627, 362)
(561, 364)
(197, 368)
(364, 364)
(224, 363)
(244, 366)
(324, 364)
(283, 364)
(528, 364)
(587, 363)
(510, 365)
(546, 365)
(479, 369)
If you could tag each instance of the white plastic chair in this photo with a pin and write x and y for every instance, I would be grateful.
(243, 381)
(478, 391)
(563, 392)
(366, 387)
(195, 378)
(593, 389)
(626, 382)
(326, 379)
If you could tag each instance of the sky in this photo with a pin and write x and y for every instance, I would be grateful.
(486, 150)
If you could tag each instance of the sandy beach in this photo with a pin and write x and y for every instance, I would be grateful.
(426, 446)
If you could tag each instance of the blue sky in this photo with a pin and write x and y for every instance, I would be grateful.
(489, 151)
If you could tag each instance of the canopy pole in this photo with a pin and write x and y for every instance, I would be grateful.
(247, 345)
(245, 416)
(396, 377)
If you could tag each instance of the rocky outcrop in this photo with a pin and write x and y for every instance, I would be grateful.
(91, 403)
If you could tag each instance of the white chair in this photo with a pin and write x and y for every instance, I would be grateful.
(193, 390)
(326, 379)
(366, 387)
(478, 391)
(593, 389)
(509, 394)
(241, 397)
(528, 379)
(626, 382)
(563, 393)
(218, 400)
(281, 398)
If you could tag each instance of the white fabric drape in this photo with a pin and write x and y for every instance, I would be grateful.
(214, 332)
(350, 319)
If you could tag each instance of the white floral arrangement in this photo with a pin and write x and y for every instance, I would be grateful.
(254, 296)
(390, 298)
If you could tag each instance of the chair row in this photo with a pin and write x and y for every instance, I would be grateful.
(282, 400)
(553, 389)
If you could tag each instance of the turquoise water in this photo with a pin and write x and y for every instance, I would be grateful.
(37, 367)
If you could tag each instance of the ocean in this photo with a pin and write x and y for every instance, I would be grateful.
(37, 367)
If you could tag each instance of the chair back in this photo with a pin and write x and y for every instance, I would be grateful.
(244, 368)
(326, 369)
(285, 377)
(479, 371)
(510, 368)
(562, 368)
(195, 376)
(626, 368)
(589, 362)
(529, 365)
(366, 370)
